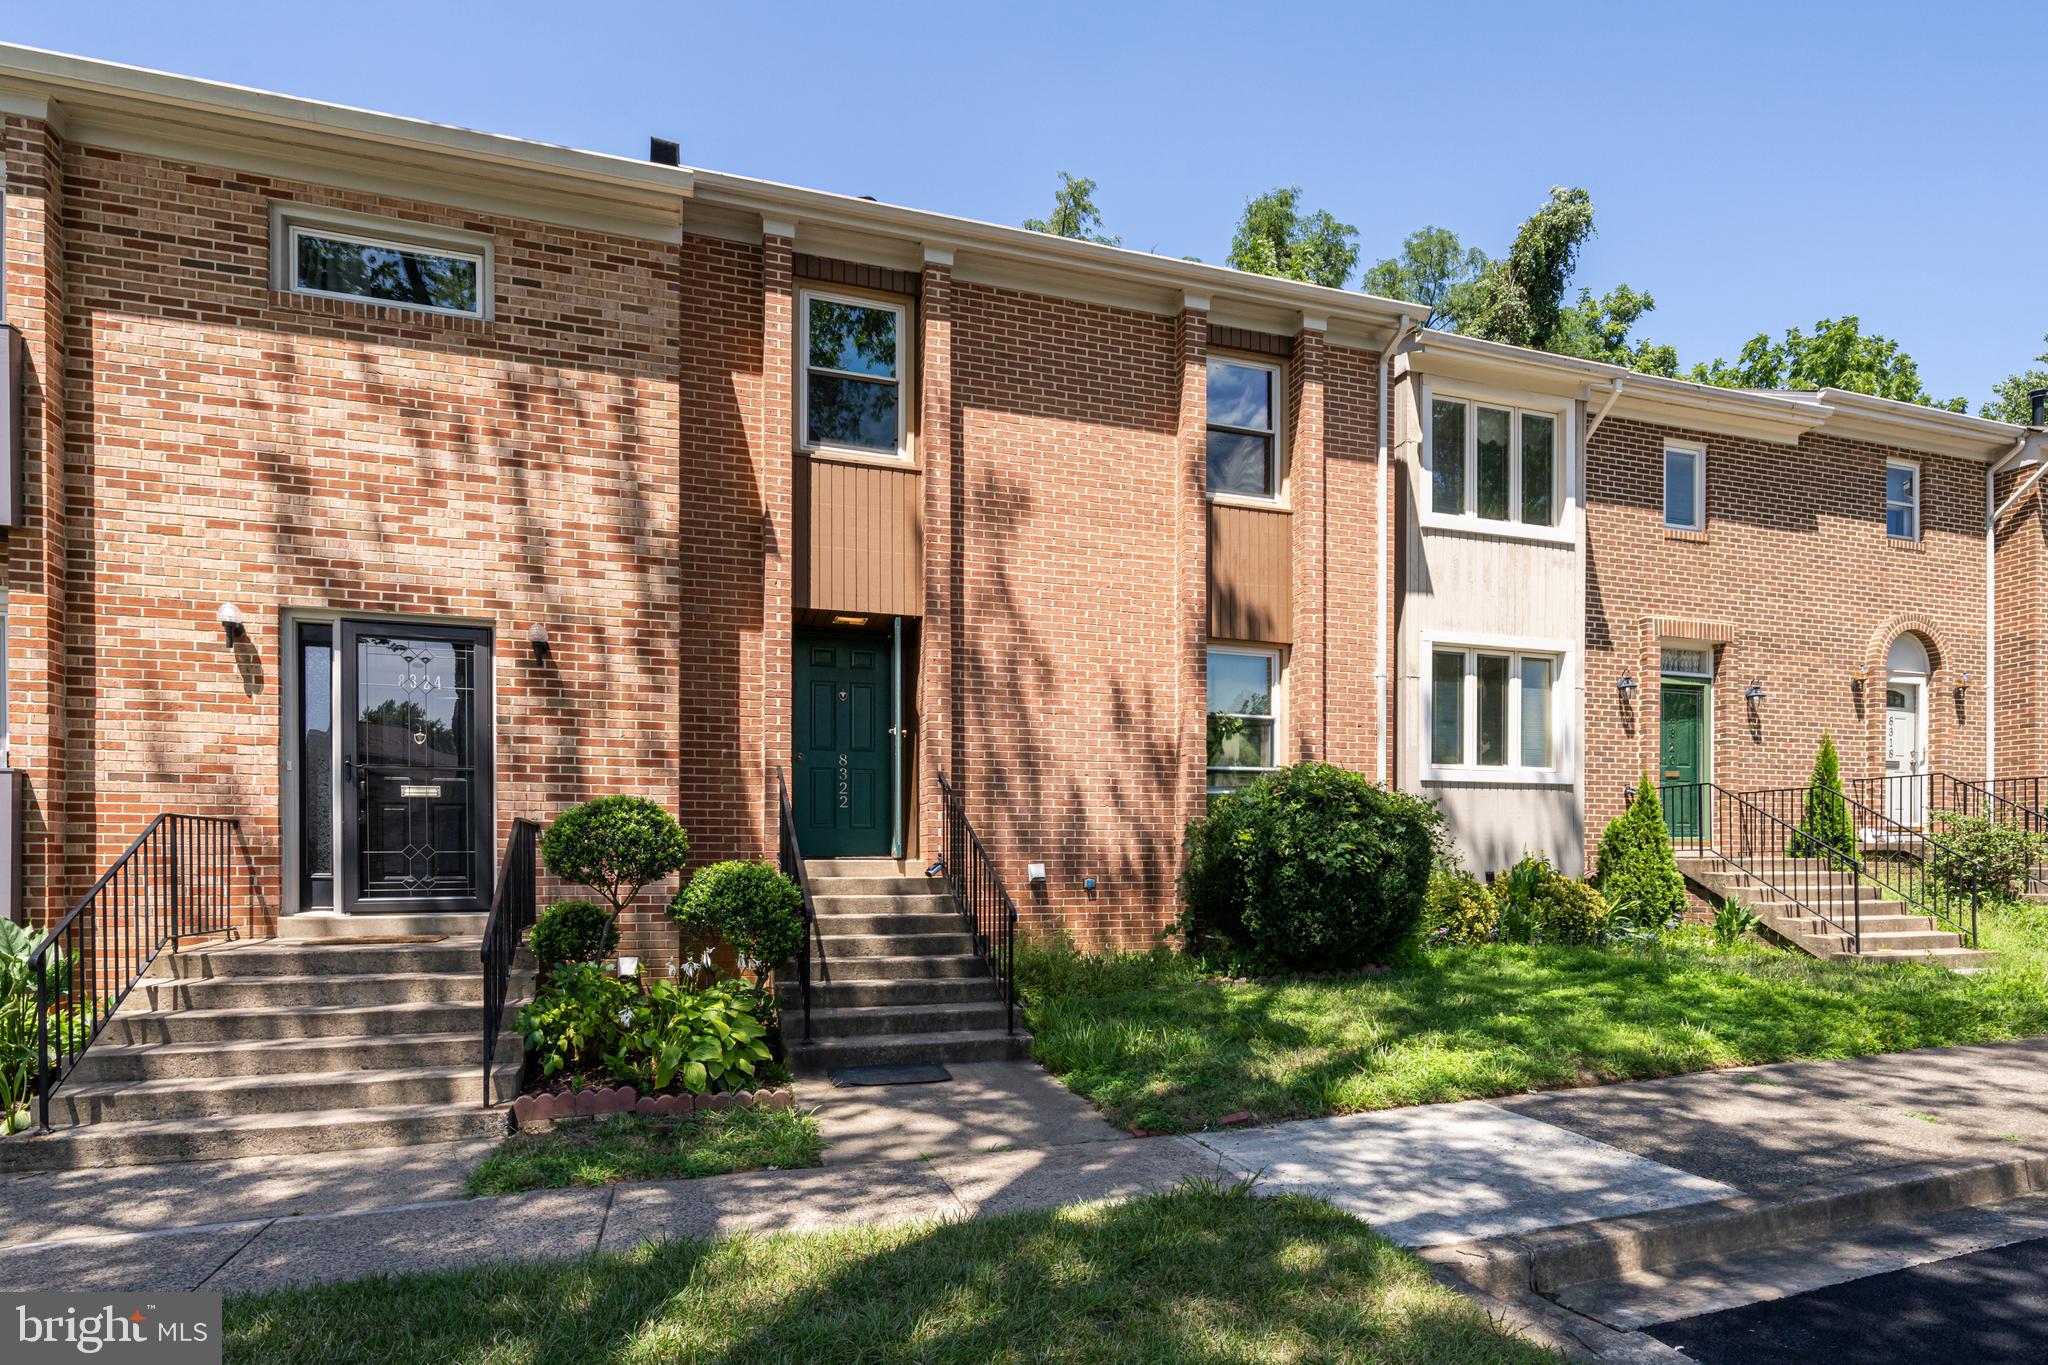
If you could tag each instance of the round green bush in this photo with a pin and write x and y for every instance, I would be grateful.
(1459, 910)
(614, 845)
(752, 906)
(573, 931)
(1310, 867)
(1563, 910)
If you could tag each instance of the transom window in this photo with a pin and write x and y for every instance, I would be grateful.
(1493, 709)
(1493, 461)
(1243, 715)
(1685, 488)
(1902, 500)
(1244, 437)
(852, 375)
(396, 265)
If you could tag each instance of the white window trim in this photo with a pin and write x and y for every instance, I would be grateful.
(1564, 746)
(289, 221)
(1699, 485)
(1277, 661)
(1278, 497)
(1891, 463)
(902, 452)
(1565, 530)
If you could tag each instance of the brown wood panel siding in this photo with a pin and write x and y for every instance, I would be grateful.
(1251, 575)
(1259, 343)
(861, 528)
(825, 270)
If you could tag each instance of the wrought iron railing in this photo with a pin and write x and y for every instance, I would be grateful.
(2014, 801)
(978, 890)
(513, 907)
(176, 881)
(1825, 882)
(791, 857)
(1901, 862)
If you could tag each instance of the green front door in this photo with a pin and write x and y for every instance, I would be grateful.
(1682, 751)
(843, 792)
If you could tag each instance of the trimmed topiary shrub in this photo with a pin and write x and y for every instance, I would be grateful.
(1825, 829)
(752, 906)
(573, 931)
(1308, 867)
(1459, 911)
(1634, 868)
(614, 845)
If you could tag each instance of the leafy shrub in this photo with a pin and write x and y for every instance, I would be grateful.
(1310, 866)
(1977, 854)
(1825, 829)
(1515, 895)
(1565, 910)
(614, 845)
(706, 1039)
(752, 906)
(1733, 922)
(573, 1021)
(573, 931)
(1634, 867)
(1459, 910)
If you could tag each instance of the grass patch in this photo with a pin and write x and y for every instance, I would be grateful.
(604, 1151)
(1196, 1274)
(1156, 1046)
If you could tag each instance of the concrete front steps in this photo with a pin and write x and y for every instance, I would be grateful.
(1891, 933)
(302, 1043)
(894, 976)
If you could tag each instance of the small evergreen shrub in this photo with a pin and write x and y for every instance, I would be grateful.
(614, 845)
(1635, 870)
(573, 931)
(1825, 829)
(752, 906)
(1988, 857)
(1310, 867)
(1459, 911)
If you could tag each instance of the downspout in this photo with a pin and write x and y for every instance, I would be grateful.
(1386, 547)
(1613, 397)
(1993, 512)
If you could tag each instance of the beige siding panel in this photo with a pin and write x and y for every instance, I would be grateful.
(1251, 579)
(863, 529)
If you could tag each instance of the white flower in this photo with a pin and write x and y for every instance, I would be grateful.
(626, 1018)
(671, 966)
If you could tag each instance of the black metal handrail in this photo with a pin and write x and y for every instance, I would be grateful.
(1903, 862)
(1824, 882)
(513, 907)
(791, 856)
(2013, 801)
(176, 881)
(978, 890)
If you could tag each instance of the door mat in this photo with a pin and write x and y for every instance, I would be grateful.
(349, 940)
(904, 1073)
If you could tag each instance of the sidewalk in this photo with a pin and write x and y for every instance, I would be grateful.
(1428, 1176)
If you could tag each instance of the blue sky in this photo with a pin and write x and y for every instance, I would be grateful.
(1753, 168)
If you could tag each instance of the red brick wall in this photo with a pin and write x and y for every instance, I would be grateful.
(1352, 698)
(1795, 560)
(2022, 732)
(232, 444)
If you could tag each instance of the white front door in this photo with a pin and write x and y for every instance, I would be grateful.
(1905, 751)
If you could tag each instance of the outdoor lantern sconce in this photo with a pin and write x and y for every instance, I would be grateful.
(537, 636)
(1626, 685)
(1754, 693)
(230, 618)
(1963, 685)
(1857, 677)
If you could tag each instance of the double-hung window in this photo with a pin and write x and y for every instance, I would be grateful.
(852, 374)
(332, 255)
(1244, 428)
(1244, 715)
(1494, 462)
(1685, 488)
(1902, 500)
(1493, 708)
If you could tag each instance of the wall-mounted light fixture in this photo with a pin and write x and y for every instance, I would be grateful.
(1035, 873)
(537, 636)
(1858, 676)
(230, 618)
(1962, 684)
(629, 966)
(1626, 685)
(1754, 693)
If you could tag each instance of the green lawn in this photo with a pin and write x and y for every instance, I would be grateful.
(1158, 1047)
(605, 1151)
(1198, 1274)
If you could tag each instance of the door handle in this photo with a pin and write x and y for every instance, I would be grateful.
(348, 771)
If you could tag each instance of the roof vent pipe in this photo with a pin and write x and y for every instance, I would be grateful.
(2039, 398)
(662, 152)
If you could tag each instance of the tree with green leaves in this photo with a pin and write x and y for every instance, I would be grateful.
(1274, 237)
(1074, 213)
(1598, 329)
(2009, 400)
(1434, 268)
(1520, 298)
(1825, 829)
(1837, 355)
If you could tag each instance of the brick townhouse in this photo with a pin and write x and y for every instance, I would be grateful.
(380, 484)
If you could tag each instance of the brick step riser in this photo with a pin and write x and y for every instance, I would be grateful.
(860, 1023)
(203, 1026)
(341, 1054)
(831, 968)
(838, 947)
(869, 993)
(322, 961)
(255, 992)
(89, 1148)
(818, 1057)
(316, 1092)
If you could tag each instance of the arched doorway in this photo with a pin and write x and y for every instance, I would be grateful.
(1908, 671)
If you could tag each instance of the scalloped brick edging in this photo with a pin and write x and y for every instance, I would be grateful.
(536, 1109)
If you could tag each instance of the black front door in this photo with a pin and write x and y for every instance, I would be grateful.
(414, 791)
(844, 795)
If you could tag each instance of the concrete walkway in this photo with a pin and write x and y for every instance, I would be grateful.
(1428, 1176)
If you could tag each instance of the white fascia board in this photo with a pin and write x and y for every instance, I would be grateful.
(1912, 426)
